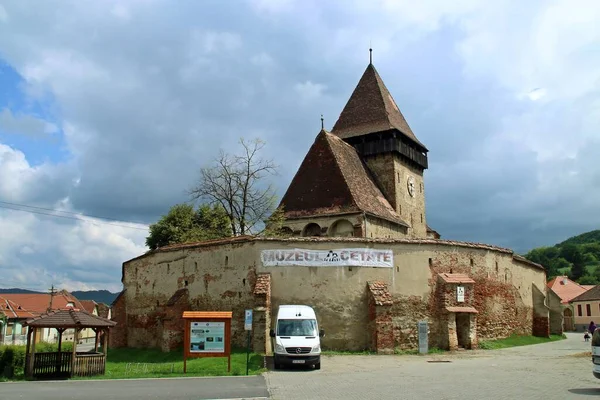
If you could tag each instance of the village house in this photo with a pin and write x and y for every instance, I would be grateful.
(561, 290)
(355, 246)
(18, 307)
(586, 308)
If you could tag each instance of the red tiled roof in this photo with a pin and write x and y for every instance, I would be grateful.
(456, 278)
(13, 310)
(38, 303)
(263, 284)
(333, 179)
(88, 305)
(565, 288)
(371, 109)
(380, 293)
(69, 319)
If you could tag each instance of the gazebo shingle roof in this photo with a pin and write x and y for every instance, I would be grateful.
(69, 319)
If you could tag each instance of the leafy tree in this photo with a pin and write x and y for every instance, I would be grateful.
(274, 224)
(183, 224)
(235, 182)
(588, 280)
(573, 254)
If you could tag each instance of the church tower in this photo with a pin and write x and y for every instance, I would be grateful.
(372, 123)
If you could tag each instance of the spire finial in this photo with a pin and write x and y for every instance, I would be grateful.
(370, 53)
(322, 123)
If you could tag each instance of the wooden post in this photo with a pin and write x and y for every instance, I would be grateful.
(32, 358)
(74, 355)
(96, 339)
(105, 342)
(28, 355)
(186, 341)
(59, 358)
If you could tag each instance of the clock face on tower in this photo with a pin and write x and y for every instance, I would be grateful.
(411, 186)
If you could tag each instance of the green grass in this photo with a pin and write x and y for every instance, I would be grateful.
(517, 340)
(153, 363)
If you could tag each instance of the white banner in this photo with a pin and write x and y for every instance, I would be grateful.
(328, 258)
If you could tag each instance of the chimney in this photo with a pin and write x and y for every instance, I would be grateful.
(564, 281)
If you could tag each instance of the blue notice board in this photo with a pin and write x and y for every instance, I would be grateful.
(248, 320)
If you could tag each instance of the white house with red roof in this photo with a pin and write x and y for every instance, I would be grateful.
(565, 290)
(15, 308)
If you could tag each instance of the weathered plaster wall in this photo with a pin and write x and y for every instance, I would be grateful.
(298, 225)
(392, 176)
(222, 277)
(380, 228)
(556, 312)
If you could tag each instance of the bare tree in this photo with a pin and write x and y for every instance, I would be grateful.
(236, 182)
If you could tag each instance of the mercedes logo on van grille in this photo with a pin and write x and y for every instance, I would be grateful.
(298, 350)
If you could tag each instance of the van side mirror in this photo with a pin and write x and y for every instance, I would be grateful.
(321, 333)
(271, 333)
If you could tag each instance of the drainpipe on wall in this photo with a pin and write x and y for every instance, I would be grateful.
(365, 222)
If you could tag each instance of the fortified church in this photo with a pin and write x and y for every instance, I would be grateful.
(357, 249)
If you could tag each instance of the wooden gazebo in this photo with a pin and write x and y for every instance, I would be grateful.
(71, 363)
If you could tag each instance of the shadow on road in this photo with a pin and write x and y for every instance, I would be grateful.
(586, 391)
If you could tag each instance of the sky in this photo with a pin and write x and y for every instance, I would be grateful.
(111, 108)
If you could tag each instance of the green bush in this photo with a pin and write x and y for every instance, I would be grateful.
(13, 356)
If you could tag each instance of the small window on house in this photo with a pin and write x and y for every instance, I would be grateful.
(421, 218)
(472, 263)
(226, 260)
(196, 266)
(430, 262)
(579, 313)
(398, 176)
(588, 310)
(185, 283)
(400, 209)
(496, 266)
(397, 269)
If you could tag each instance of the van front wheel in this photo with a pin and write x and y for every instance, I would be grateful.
(318, 365)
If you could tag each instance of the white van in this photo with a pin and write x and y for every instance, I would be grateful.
(297, 337)
(596, 353)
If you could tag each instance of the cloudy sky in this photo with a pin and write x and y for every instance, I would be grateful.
(110, 108)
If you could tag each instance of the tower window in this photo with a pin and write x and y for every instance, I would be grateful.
(421, 218)
(421, 188)
(398, 176)
(430, 262)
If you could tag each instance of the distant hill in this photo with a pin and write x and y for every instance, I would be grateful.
(99, 296)
(17, 290)
(578, 257)
(584, 238)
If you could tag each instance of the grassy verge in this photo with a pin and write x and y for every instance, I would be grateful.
(516, 340)
(153, 363)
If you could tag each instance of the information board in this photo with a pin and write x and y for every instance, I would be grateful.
(248, 320)
(460, 294)
(207, 337)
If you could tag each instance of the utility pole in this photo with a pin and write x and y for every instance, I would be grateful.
(52, 292)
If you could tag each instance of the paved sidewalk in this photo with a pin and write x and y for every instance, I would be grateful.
(252, 387)
(546, 371)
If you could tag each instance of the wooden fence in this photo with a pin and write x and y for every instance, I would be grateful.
(52, 365)
(58, 365)
(89, 364)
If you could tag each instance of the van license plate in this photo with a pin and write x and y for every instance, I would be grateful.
(297, 361)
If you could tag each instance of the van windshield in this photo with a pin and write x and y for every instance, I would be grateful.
(297, 327)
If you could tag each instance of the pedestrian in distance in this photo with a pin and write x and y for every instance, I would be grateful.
(586, 335)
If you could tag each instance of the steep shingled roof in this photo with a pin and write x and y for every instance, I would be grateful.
(370, 109)
(333, 179)
(592, 294)
(69, 319)
(13, 310)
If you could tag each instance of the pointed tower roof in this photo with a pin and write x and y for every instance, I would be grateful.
(333, 179)
(371, 108)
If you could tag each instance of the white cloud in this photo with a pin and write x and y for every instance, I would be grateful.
(309, 91)
(23, 124)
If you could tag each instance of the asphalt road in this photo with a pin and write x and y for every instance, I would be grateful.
(550, 371)
(252, 387)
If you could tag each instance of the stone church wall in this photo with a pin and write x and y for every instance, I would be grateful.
(221, 276)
